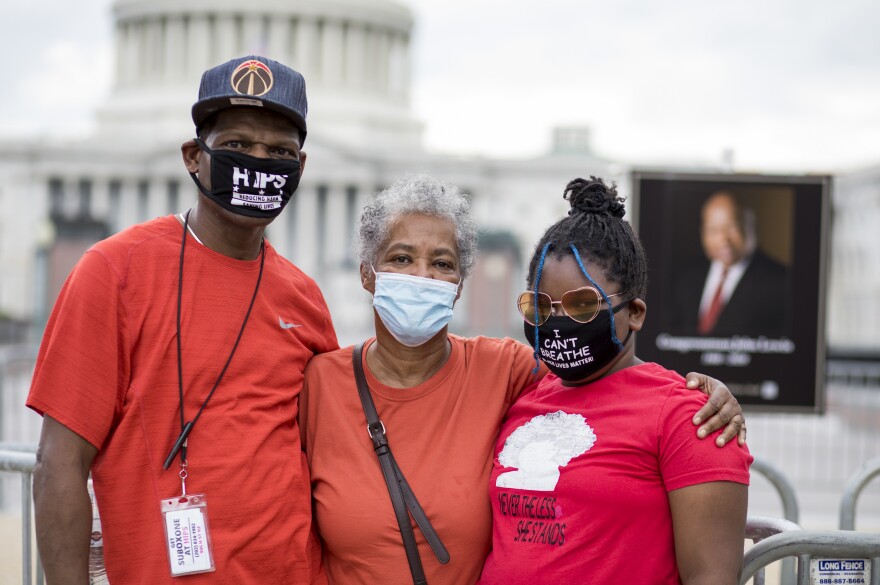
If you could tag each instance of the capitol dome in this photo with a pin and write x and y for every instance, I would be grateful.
(354, 54)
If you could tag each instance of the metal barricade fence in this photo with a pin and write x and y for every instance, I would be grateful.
(760, 527)
(783, 486)
(790, 510)
(22, 459)
(852, 548)
(851, 491)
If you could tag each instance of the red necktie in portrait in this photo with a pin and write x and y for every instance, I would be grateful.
(710, 317)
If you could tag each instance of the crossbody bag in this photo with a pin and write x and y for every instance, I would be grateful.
(402, 496)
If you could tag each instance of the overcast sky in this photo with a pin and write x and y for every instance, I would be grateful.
(788, 85)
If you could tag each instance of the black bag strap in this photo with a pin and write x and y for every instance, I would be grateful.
(402, 496)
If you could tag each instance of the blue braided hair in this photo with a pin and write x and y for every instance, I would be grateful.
(583, 268)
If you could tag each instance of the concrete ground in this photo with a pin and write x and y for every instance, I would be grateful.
(10, 549)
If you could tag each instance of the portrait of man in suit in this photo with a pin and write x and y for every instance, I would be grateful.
(739, 289)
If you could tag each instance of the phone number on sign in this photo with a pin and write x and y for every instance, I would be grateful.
(842, 581)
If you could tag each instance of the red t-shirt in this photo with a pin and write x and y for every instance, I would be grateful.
(442, 433)
(107, 370)
(581, 475)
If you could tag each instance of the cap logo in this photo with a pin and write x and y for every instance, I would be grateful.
(252, 78)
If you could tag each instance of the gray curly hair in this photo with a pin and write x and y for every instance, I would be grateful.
(417, 194)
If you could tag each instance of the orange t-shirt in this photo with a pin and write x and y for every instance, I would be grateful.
(107, 370)
(442, 434)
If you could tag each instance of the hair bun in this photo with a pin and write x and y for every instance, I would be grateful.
(594, 196)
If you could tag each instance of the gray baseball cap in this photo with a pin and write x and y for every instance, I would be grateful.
(253, 81)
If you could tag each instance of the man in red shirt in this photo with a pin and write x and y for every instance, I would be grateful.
(172, 362)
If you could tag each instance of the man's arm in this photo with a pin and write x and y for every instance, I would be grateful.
(61, 502)
(721, 410)
(709, 522)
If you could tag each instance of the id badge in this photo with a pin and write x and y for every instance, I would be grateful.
(186, 531)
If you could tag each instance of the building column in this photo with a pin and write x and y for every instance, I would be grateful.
(407, 68)
(332, 54)
(305, 236)
(138, 52)
(336, 239)
(110, 202)
(304, 41)
(157, 205)
(398, 78)
(127, 213)
(70, 198)
(153, 50)
(198, 59)
(123, 53)
(253, 39)
(277, 45)
(100, 199)
(225, 38)
(175, 50)
(371, 65)
(355, 197)
(349, 304)
(355, 54)
(383, 56)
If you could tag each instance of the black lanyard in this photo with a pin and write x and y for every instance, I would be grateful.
(187, 427)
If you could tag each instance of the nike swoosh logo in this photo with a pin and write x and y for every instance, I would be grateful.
(287, 325)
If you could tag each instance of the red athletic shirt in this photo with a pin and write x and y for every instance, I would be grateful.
(581, 477)
(107, 370)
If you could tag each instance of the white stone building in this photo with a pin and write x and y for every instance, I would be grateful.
(355, 56)
(854, 278)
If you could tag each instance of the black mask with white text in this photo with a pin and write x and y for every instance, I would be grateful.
(249, 185)
(574, 351)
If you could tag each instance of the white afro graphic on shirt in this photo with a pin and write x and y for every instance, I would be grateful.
(540, 447)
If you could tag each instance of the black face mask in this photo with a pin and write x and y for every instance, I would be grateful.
(574, 351)
(248, 185)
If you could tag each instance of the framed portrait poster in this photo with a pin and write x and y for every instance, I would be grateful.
(736, 281)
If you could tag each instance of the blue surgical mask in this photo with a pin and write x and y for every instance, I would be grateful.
(412, 308)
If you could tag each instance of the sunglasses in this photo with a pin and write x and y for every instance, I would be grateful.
(581, 304)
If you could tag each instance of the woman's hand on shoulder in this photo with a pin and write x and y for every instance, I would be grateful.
(721, 410)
